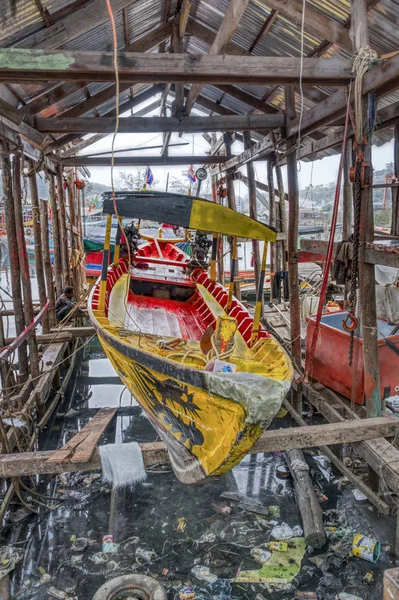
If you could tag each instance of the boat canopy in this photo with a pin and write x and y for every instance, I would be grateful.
(188, 212)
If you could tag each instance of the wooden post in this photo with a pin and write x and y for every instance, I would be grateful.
(73, 230)
(62, 227)
(272, 223)
(293, 225)
(259, 297)
(233, 270)
(41, 283)
(13, 256)
(217, 241)
(347, 193)
(24, 265)
(231, 203)
(309, 507)
(366, 271)
(253, 212)
(79, 225)
(56, 237)
(46, 261)
(395, 190)
(283, 216)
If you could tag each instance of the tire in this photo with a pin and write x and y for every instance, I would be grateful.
(140, 586)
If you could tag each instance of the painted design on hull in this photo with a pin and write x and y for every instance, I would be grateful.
(210, 427)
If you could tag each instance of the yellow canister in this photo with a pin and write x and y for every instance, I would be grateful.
(366, 548)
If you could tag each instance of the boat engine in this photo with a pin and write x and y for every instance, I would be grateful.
(200, 251)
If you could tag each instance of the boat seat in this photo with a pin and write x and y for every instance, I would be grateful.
(116, 302)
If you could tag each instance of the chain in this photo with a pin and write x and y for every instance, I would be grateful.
(355, 252)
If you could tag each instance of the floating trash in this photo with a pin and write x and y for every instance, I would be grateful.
(366, 548)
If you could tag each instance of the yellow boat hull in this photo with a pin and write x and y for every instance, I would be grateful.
(213, 429)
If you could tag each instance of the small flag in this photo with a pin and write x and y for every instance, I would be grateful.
(191, 174)
(149, 177)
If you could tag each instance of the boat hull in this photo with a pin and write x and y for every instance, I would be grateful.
(198, 427)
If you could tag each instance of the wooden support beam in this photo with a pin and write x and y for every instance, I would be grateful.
(367, 294)
(313, 436)
(140, 161)
(292, 245)
(253, 211)
(232, 18)
(30, 463)
(248, 99)
(267, 25)
(395, 192)
(316, 22)
(19, 65)
(208, 36)
(159, 124)
(347, 195)
(184, 15)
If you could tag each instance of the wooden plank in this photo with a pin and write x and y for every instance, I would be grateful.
(316, 23)
(39, 463)
(81, 332)
(333, 433)
(159, 124)
(81, 447)
(142, 160)
(18, 65)
(231, 20)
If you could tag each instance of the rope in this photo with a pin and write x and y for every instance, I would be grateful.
(364, 59)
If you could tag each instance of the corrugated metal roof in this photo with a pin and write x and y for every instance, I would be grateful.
(21, 17)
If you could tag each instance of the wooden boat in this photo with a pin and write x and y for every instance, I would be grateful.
(208, 374)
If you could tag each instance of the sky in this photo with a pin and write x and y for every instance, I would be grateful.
(324, 171)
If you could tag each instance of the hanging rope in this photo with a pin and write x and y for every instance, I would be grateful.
(364, 59)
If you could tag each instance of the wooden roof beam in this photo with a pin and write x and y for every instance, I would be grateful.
(144, 44)
(34, 65)
(131, 161)
(232, 18)
(267, 25)
(159, 124)
(208, 36)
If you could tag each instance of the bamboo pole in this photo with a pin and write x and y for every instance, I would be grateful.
(253, 212)
(233, 269)
(259, 297)
(74, 240)
(13, 256)
(41, 283)
(62, 227)
(231, 203)
(46, 261)
(272, 223)
(103, 282)
(283, 216)
(293, 226)
(347, 195)
(24, 265)
(56, 237)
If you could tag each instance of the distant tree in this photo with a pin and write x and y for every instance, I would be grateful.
(132, 181)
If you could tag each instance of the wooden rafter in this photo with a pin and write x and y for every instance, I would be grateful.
(34, 65)
(44, 13)
(232, 18)
(123, 161)
(159, 124)
(267, 25)
(208, 36)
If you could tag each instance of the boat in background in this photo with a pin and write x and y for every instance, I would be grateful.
(207, 373)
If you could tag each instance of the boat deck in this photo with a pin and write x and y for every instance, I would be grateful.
(161, 273)
(168, 318)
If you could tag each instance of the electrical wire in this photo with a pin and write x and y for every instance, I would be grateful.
(301, 80)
